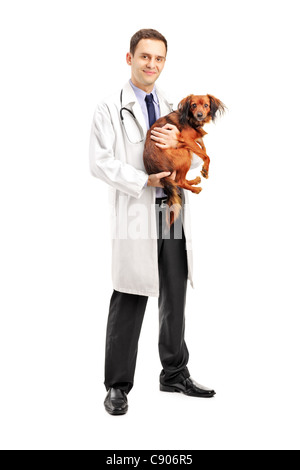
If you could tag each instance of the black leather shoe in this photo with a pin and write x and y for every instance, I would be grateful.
(189, 387)
(116, 402)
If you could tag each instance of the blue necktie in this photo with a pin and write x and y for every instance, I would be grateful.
(150, 109)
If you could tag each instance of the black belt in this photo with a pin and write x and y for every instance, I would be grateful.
(161, 200)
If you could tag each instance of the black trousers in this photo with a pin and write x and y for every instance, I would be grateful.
(126, 314)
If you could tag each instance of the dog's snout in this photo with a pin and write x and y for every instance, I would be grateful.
(200, 115)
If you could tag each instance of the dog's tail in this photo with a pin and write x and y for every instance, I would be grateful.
(174, 200)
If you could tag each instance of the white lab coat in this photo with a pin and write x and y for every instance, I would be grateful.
(119, 163)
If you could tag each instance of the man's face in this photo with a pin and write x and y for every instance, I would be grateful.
(147, 63)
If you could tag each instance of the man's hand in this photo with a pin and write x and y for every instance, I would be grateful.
(166, 137)
(154, 180)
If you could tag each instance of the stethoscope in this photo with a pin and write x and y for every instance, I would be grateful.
(122, 109)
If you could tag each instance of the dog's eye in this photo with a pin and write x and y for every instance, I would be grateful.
(206, 106)
(194, 106)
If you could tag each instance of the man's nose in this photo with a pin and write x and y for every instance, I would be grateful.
(151, 64)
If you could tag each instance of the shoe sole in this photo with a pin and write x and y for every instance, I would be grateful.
(116, 413)
(165, 388)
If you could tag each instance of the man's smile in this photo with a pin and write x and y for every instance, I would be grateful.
(149, 72)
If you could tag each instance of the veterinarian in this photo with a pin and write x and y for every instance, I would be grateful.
(144, 262)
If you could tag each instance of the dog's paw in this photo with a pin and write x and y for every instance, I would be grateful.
(204, 173)
(197, 190)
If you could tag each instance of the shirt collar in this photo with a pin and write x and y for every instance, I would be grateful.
(142, 94)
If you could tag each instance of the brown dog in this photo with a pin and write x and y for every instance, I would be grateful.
(192, 113)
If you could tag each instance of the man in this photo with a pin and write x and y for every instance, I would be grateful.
(145, 260)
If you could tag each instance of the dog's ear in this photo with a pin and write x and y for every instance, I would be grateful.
(216, 106)
(184, 109)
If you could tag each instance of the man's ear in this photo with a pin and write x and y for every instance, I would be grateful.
(128, 58)
(184, 109)
(216, 106)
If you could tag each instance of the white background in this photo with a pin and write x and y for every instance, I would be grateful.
(58, 59)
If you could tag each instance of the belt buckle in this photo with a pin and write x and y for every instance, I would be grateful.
(163, 203)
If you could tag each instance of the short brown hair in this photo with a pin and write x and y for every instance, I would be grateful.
(146, 34)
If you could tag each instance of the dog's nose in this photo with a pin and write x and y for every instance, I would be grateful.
(200, 115)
